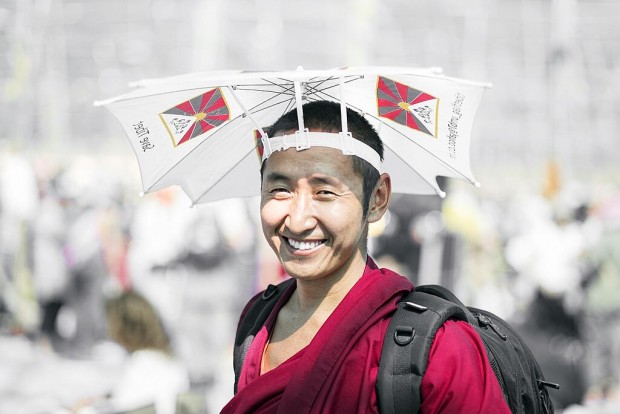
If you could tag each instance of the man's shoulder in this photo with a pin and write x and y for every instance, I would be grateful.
(458, 341)
(459, 372)
(263, 299)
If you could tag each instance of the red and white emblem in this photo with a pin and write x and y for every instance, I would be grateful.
(407, 106)
(192, 118)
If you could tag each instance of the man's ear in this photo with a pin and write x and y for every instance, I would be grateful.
(380, 199)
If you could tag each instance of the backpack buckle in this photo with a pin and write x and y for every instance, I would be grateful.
(403, 335)
(269, 292)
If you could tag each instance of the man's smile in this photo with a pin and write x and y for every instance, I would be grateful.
(303, 244)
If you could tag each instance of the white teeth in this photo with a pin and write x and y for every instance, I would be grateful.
(304, 245)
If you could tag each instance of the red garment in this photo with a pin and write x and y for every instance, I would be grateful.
(337, 371)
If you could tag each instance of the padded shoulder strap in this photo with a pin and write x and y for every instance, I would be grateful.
(406, 347)
(447, 294)
(252, 319)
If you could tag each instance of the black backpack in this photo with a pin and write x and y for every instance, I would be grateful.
(408, 342)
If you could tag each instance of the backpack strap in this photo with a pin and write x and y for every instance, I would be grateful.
(406, 348)
(252, 320)
(442, 292)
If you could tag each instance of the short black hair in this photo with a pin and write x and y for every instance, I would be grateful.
(325, 116)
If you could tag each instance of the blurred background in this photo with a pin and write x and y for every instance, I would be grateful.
(538, 243)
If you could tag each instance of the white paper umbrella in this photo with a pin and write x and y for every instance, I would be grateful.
(204, 131)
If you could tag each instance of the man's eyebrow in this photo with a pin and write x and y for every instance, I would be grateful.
(276, 176)
(324, 179)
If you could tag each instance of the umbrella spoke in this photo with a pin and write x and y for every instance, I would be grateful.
(276, 93)
(319, 83)
(194, 202)
(255, 111)
(316, 89)
(286, 91)
(289, 106)
(290, 84)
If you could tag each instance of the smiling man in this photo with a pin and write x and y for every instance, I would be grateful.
(318, 350)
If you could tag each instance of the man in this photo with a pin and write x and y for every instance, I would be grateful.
(319, 350)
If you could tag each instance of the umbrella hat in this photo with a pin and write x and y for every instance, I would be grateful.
(204, 131)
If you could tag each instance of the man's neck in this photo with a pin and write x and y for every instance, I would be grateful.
(307, 310)
(325, 294)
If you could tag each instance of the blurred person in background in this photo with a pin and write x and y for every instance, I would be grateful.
(94, 224)
(197, 267)
(548, 255)
(50, 269)
(19, 202)
(152, 378)
(602, 305)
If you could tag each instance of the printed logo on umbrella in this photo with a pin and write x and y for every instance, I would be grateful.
(407, 106)
(192, 118)
(259, 145)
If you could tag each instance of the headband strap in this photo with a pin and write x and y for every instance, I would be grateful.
(343, 141)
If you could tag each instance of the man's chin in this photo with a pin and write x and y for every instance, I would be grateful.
(302, 271)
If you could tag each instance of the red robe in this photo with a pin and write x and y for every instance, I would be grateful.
(337, 371)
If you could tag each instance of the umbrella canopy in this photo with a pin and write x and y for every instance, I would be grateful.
(204, 131)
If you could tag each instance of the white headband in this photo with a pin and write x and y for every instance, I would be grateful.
(302, 140)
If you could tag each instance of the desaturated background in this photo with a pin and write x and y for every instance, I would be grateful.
(538, 243)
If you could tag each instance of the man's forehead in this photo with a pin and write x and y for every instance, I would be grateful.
(316, 158)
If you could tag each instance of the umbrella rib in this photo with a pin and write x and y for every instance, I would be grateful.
(264, 90)
(194, 202)
(351, 78)
(289, 106)
(316, 90)
(291, 101)
(395, 130)
(283, 79)
(289, 88)
(284, 89)
(255, 111)
(319, 82)
(276, 94)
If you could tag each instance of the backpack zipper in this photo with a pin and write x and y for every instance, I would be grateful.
(486, 322)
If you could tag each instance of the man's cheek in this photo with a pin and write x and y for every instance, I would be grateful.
(272, 213)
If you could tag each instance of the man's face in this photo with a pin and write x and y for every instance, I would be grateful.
(311, 211)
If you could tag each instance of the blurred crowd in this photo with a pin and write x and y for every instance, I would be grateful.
(79, 250)
(75, 235)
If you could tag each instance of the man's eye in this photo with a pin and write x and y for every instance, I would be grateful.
(326, 193)
(278, 190)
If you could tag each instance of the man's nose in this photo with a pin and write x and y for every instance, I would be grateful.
(301, 215)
